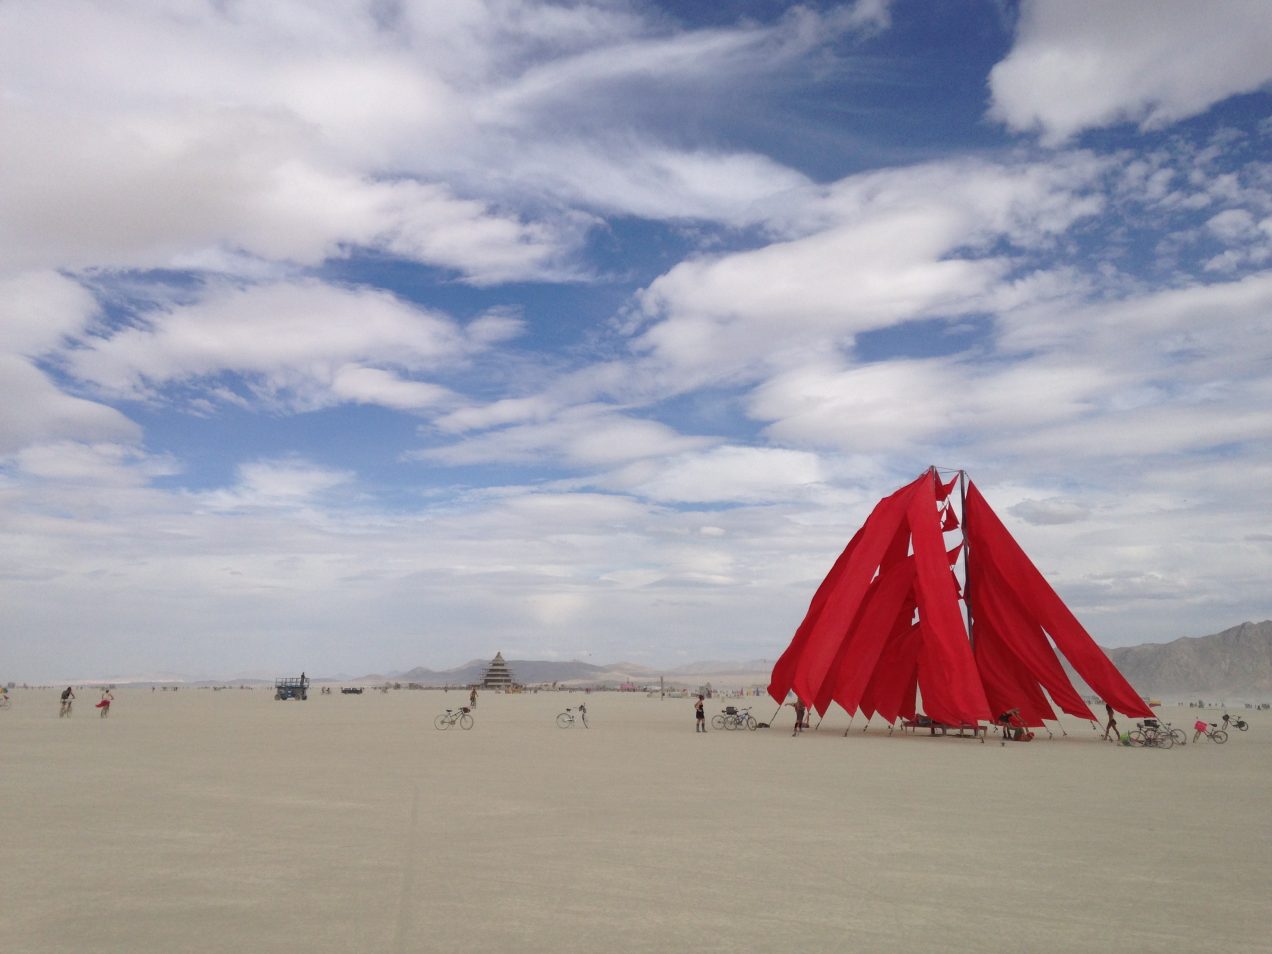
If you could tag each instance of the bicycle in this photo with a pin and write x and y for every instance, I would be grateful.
(566, 719)
(1150, 734)
(733, 718)
(1238, 723)
(452, 716)
(1210, 731)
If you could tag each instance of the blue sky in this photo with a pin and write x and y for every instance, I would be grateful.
(353, 336)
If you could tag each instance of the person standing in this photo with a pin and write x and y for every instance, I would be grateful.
(107, 698)
(472, 698)
(700, 716)
(68, 696)
(800, 710)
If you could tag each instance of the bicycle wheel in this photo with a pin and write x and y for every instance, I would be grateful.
(442, 722)
(1242, 726)
(1165, 740)
(717, 722)
(1136, 737)
(730, 722)
(565, 720)
(1180, 736)
(1219, 736)
(465, 721)
(751, 723)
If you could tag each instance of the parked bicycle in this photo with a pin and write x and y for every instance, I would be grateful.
(567, 718)
(452, 717)
(1152, 734)
(1238, 723)
(734, 718)
(1210, 730)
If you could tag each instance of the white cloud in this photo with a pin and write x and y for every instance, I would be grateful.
(186, 135)
(1083, 64)
(34, 410)
(724, 475)
(584, 436)
(879, 249)
(275, 484)
(301, 343)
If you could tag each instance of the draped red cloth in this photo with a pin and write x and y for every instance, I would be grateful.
(804, 665)
(861, 647)
(989, 541)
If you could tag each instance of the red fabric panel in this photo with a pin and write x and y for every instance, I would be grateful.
(998, 607)
(955, 554)
(948, 679)
(784, 669)
(989, 540)
(893, 684)
(804, 665)
(1008, 683)
(950, 520)
(859, 653)
(944, 490)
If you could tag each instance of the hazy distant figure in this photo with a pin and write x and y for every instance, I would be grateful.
(107, 698)
(472, 698)
(583, 715)
(1112, 726)
(68, 696)
(700, 716)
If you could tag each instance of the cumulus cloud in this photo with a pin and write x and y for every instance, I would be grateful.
(35, 410)
(582, 436)
(731, 474)
(877, 250)
(453, 138)
(1083, 64)
(301, 344)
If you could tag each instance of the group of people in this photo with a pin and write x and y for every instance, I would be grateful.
(68, 699)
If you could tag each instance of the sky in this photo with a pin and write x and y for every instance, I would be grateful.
(357, 335)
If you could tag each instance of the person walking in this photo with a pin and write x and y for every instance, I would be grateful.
(1112, 726)
(700, 715)
(68, 696)
(107, 698)
(472, 698)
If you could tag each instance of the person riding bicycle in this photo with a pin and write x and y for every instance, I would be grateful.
(68, 696)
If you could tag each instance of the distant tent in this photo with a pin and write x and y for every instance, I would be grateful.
(886, 626)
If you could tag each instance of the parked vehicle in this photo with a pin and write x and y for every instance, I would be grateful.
(292, 687)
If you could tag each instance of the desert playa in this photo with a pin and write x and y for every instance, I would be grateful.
(223, 820)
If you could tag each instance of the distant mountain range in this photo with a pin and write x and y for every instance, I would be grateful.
(1236, 664)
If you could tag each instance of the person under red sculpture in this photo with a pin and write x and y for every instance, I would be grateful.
(1011, 722)
(800, 714)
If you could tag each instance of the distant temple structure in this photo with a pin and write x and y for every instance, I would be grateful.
(498, 675)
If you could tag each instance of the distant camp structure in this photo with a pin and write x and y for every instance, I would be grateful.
(498, 675)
